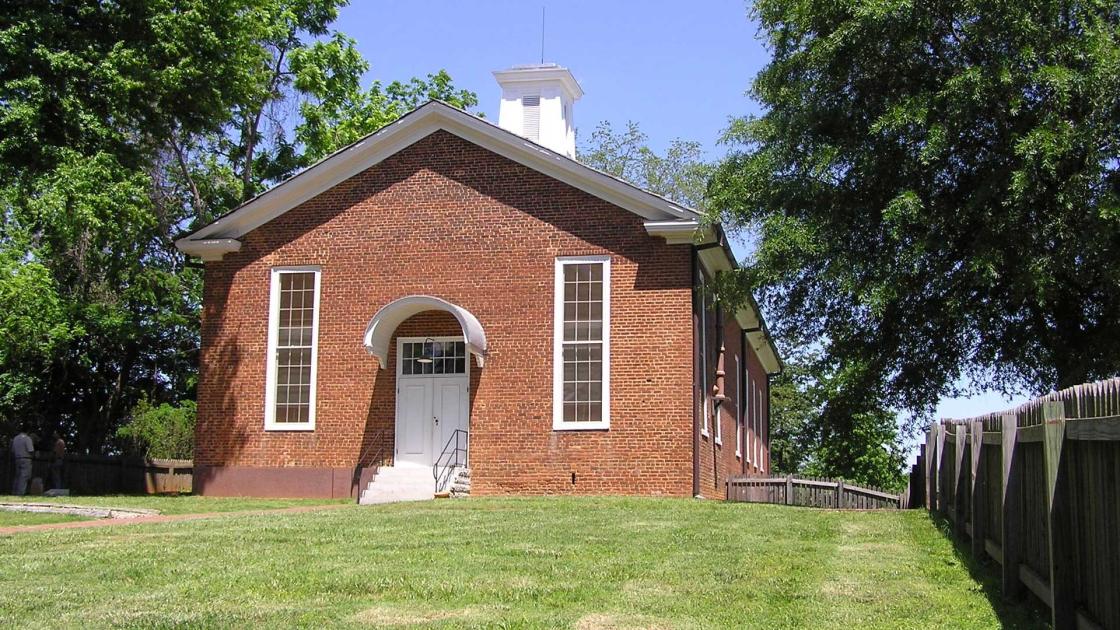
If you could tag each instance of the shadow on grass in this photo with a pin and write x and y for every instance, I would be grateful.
(1022, 613)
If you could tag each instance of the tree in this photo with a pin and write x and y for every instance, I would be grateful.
(681, 174)
(807, 399)
(122, 125)
(935, 187)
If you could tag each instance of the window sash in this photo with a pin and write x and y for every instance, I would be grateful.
(293, 330)
(704, 390)
(581, 387)
(739, 406)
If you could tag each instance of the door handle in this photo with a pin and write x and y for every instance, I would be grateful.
(436, 420)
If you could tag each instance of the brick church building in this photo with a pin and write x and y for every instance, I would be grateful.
(450, 304)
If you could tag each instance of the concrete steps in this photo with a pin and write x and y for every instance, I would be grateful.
(460, 485)
(399, 483)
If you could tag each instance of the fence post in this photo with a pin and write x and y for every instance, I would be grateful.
(789, 489)
(840, 493)
(1060, 535)
(942, 504)
(958, 471)
(979, 497)
(932, 453)
(1010, 503)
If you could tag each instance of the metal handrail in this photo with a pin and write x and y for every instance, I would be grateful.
(449, 459)
(372, 454)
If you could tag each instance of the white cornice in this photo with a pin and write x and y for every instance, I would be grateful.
(678, 232)
(540, 74)
(208, 249)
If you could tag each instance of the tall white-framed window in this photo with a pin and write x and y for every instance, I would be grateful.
(293, 333)
(739, 406)
(748, 416)
(581, 343)
(758, 427)
(705, 394)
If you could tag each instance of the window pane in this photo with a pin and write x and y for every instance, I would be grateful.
(583, 386)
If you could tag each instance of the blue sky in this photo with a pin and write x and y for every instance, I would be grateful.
(680, 70)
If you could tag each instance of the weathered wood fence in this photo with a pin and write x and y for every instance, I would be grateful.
(1037, 489)
(102, 474)
(809, 492)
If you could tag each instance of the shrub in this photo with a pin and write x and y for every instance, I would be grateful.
(165, 432)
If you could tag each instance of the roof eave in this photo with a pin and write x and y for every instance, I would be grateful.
(208, 249)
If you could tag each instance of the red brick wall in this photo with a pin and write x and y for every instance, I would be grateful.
(449, 219)
(718, 459)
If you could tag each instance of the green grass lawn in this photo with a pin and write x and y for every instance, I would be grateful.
(557, 562)
(8, 519)
(177, 503)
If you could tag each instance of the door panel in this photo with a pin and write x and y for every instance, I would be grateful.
(451, 409)
(414, 422)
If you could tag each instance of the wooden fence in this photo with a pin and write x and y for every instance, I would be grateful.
(101, 474)
(822, 493)
(1037, 489)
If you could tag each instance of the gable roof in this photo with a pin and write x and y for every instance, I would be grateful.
(664, 218)
(407, 130)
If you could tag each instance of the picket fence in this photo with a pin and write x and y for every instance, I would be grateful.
(810, 492)
(1037, 490)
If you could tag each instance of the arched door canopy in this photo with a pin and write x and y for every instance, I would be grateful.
(380, 331)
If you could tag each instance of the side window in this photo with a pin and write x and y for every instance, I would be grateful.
(581, 396)
(292, 348)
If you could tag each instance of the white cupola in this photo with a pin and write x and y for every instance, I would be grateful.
(537, 104)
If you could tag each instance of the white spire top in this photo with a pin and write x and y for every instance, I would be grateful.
(537, 103)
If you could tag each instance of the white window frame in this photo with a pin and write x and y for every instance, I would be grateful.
(704, 394)
(749, 417)
(758, 428)
(270, 423)
(558, 423)
(738, 408)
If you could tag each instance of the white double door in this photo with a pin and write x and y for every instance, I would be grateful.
(430, 408)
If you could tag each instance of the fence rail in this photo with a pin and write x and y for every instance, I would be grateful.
(1037, 490)
(105, 474)
(809, 492)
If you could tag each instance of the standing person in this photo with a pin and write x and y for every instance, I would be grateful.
(22, 449)
(58, 456)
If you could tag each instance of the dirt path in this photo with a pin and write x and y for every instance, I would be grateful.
(163, 518)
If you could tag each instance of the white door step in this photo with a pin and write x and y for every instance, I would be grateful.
(399, 483)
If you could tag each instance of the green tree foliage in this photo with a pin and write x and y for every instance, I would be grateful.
(163, 432)
(803, 439)
(122, 125)
(680, 174)
(935, 187)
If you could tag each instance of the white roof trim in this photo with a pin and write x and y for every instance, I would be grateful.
(421, 122)
(751, 323)
(379, 332)
(539, 74)
(210, 248)
(678, 232)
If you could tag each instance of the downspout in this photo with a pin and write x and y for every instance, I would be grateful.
(695, 370)
(718, 396)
